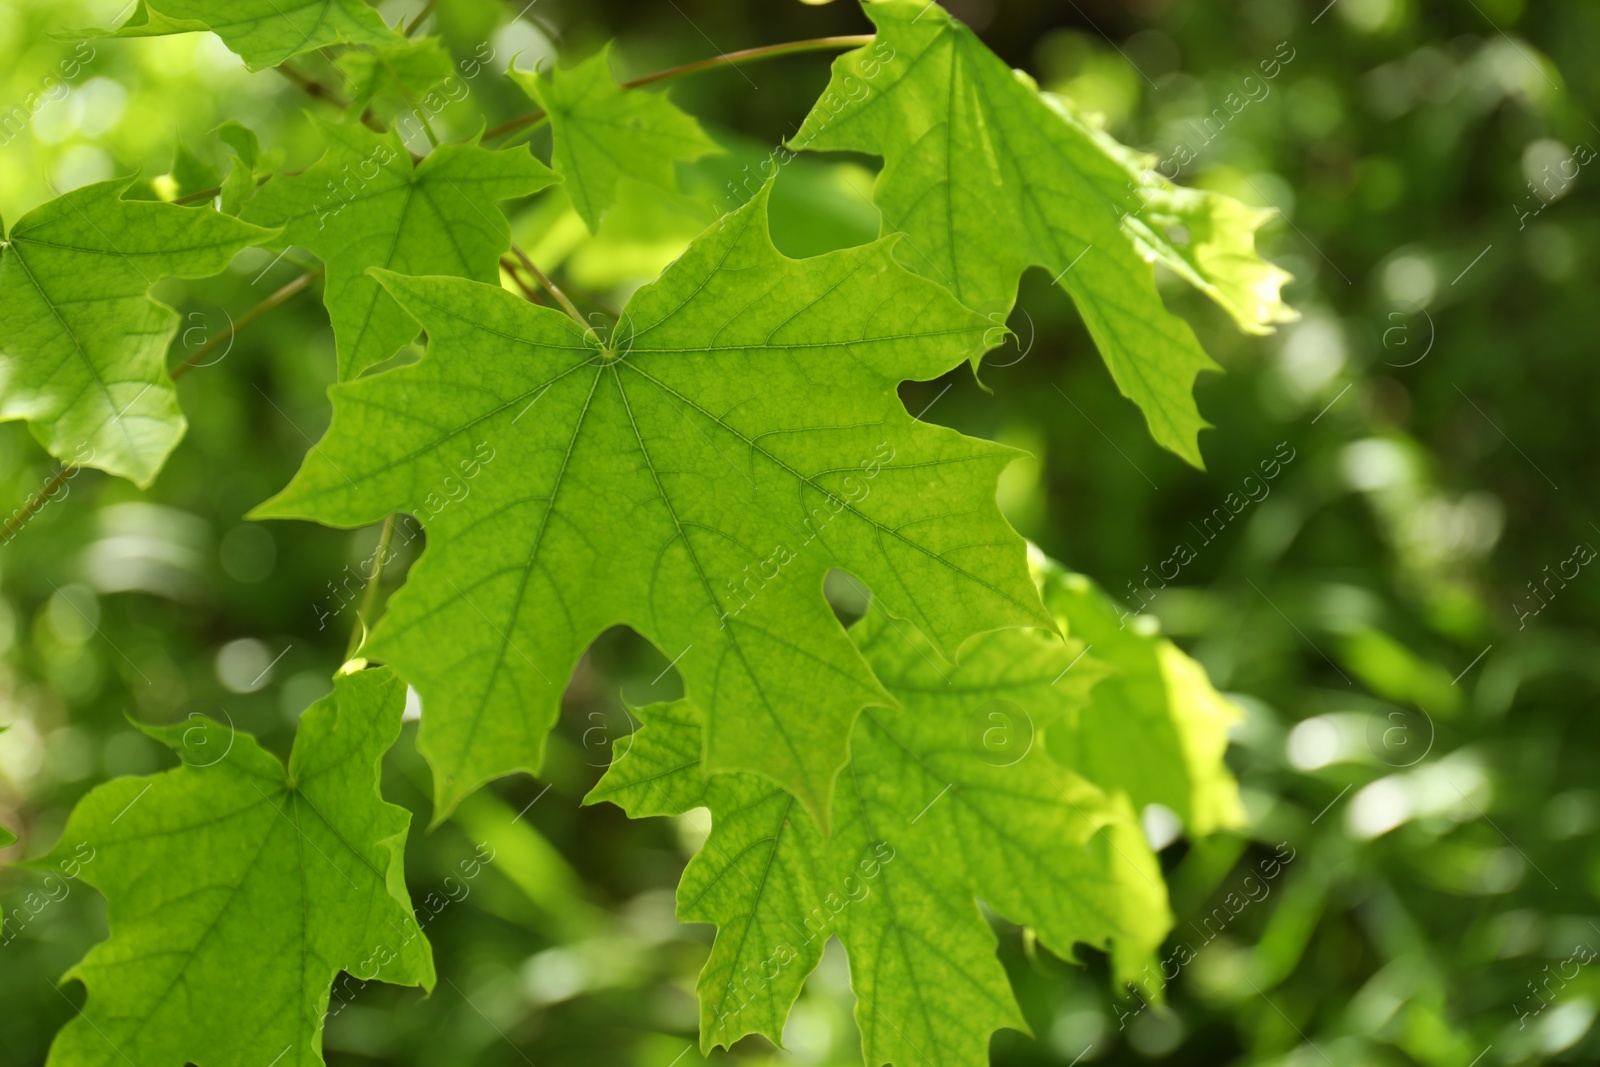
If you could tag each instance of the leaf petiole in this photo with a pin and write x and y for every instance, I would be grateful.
(283, 294)
(769, 51)
(550, 287)
(427, 9)
(369, 598)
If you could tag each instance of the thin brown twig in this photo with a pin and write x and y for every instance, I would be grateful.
(20, 517)
(766, 51)
(197, 197)
(513, 271)
(512, 125)
(312, 87)
(199, 355)
(769, 51)
(318, 90)
(511, 267)
(207, 194)
(35, 503)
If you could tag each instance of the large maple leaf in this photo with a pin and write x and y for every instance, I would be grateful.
(83, 348)
(365, 204)
(238, 889)
(986, 177)
(695, 477)
(948, 799)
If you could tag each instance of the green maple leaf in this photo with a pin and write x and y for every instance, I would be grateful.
(190, 174)
(365, 204)
(695, 478)
(246, 164)
(263, 33)
(407, 69)
(948, 799)
(756, 876)
(986, 178)
(1158, 703)
(1206, 238)
(84, 352)
(603, 133)
(238, 889)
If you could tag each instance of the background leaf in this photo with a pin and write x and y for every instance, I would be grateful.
(84, 356)
(366, 204)
(238, 890)
(605, 133)
(263, 33)
(1157, 703)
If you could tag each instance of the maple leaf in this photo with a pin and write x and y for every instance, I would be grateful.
(694, 477)
(602, 133)
(246, 164)
(1206, 238)
(755, 878)
(946, 800)
(190, 174)
(263, 33)
(237, 889)
(986, 178)
(1158, 703)
(407, 69)
(84, 352)
(365, 204)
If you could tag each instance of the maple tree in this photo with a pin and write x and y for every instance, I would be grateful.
(693, 466)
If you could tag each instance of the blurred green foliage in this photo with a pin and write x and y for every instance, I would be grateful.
(1394, 606)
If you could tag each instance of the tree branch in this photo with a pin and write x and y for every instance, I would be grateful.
(427, 9)
(198, 357)
(35, 503)
(769, 51)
